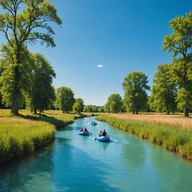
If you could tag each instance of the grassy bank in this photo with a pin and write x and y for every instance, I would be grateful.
(171, 137)
(20, 136)
(27, 132)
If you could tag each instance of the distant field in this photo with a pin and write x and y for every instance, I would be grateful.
(177, 120)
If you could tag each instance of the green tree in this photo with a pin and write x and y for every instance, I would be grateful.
(21, 23)
(93, 108)
(163, 91)
(78, 106)
(42, 93)
(180, 43)
(64, 99)
(7, 78)
(114, 103)
(135, 96)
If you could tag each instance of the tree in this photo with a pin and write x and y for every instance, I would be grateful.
(135, 96)
(21, 23)
(93, 108)
(41, 93)
(7, 80)
(163, 91)
(180, 43)
(114, 103)
(78, 105)
(64, 99)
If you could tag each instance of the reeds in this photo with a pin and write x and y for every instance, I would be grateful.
(171, 137)
(20, 136)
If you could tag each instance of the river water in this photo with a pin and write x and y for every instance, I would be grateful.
(81, 163)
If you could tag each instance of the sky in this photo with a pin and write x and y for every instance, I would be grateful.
(102, 41)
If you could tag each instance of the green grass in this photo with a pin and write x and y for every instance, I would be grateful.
(23, 134)
(170, 137)
(19, 137)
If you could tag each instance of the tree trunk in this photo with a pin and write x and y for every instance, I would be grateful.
(16, 92)
(167, 111)
(186, 112)
(35, 110)
(15, 106)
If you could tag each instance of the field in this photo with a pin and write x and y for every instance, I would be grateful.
(177, 120)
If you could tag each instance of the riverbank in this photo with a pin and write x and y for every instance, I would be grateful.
(23, 134)
(176, 137)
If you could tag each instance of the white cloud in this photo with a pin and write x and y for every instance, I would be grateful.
(100, 66)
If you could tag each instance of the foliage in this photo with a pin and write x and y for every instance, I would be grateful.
(7, 78)
(172, 138)
(41, 93)
(114, 103)
(180, 43)
(64, 99)
(163, 91)
(21, 23)
(135, 96)
(78, 106)
(93, 108)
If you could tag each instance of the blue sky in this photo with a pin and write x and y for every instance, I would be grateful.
(102, 41)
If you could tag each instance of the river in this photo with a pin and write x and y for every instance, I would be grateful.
(81, 163)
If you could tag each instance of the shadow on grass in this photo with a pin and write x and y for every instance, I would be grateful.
(58, 123)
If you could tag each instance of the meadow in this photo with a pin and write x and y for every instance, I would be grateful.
(172, 132)
(23, 134)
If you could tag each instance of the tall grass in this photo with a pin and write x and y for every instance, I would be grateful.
(27, 132)
(170, 137)
(19, 137)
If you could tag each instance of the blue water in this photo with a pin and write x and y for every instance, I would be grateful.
(80, 163)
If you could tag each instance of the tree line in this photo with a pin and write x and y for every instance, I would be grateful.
(26, 78)
(172, 88)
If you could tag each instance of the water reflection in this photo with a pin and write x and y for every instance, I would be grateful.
(18, 174)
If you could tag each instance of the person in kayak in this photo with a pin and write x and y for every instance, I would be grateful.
(104, 133)
(85, 129)
(100, 133)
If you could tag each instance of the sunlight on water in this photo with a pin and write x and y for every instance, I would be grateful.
(81, 163)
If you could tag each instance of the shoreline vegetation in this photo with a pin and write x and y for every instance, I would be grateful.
(26, 133)
(172, 132)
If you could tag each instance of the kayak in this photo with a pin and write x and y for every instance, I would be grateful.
(84, 133)
(93, 123)
(103, 138)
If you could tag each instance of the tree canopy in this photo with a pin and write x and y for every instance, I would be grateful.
(78, 106)
(64, 99)
(163, 91)
(114, 103)
(180, 43)
(41, 93)
(135, 96)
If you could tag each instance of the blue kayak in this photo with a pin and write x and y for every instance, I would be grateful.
(84, 133)
(103, 138)
(93, 123)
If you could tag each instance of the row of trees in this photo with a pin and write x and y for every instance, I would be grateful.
(26, 78)
(172, 89)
